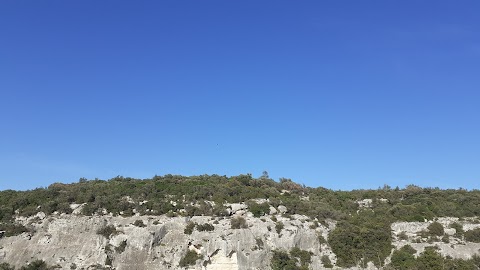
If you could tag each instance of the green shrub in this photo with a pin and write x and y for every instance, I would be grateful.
(297, 260)
(473, 235)
(282, 261)
(64, 207)
(446, 239)
(220, 210)
(476, 260)
(89, 209)
(423, 234)
(432, 239)
(238, 223)
(258, 210)
(362, 238)
(402, 236)
(279, 227)
(403, 258)
(12, 229)
(189, 228)
(326, 262)
(304, 256)
(321, 239)
(458, 229)
(121, 247)
(36, 265)
(108, 260)
(107, 231)
(139, 223)
(436, 229)
(459, 264)
(430, 259)
(205, 227)
(190, 258)
(6, 266)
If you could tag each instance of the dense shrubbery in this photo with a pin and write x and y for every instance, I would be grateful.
(107, 231)
(326, 262)
(281, 260)
(473, 235)
(297, 259)
(360, 239)
(36, 265)
(435, 229)
(11, 228)
(458, 229)
(206, 194)
(403, 258)
(409, 204)
(190, 258)
(258, 210)
(305, 257)
(6, 266)
(430, 259)
(205, 227)
(200, 227)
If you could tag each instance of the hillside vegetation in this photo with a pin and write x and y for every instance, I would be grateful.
(362, 233)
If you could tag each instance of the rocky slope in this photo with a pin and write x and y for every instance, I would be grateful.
(160, 242)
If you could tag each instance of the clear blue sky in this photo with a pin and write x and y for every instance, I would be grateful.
(340, 94)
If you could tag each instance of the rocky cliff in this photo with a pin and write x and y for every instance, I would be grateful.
(159, 242)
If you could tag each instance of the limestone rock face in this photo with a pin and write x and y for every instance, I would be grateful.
(454, 247)
(67, 240)
(73, 240)
(282, 209)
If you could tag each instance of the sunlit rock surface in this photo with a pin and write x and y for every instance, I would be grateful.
(70, 241)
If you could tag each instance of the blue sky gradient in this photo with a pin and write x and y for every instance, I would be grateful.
(340, 94)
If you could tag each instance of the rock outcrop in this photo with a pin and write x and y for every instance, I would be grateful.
(160, 242)
(74, 241)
